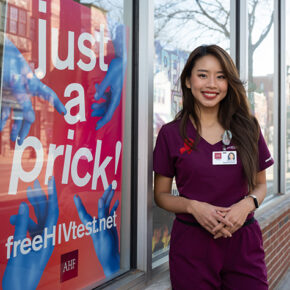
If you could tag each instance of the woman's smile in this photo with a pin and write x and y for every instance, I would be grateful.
(209, 95)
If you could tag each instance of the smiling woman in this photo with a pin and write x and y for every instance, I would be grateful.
(214, 120)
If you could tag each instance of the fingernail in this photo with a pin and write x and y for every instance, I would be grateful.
(21, 209)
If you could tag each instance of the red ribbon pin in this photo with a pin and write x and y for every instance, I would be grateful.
(186, 147)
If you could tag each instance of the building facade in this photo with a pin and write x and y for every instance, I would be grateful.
(86, 86)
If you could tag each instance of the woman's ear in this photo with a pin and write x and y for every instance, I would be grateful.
(187, 83)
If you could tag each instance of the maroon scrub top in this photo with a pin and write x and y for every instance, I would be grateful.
(196, 177)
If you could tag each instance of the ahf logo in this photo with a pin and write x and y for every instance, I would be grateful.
(69, 265)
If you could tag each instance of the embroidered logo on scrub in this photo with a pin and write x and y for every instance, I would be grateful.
(186, 147)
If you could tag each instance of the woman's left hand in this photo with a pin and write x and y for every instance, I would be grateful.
(237, 215)
(239, 211)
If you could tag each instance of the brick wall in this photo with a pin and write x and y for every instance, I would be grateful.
(275, 227)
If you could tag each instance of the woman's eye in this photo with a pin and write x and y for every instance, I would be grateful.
(202, 75)
(221, 77)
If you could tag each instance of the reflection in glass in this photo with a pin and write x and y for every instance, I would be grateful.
(288, 95)
(179, 27)
(261, 72)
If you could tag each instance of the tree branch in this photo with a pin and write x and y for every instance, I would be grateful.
(252, 18)
(264, 33)
(209, 27)
(226, 32)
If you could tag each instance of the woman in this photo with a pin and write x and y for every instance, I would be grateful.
(215, 241)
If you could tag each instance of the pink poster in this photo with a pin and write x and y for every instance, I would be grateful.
(62, 123)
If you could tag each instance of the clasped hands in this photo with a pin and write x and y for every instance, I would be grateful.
(220, 221)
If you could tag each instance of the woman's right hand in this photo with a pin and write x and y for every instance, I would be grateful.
(209, 216)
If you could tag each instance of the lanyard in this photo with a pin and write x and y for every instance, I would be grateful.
(226, 138)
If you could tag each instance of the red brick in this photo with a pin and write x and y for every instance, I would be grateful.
(276, 236)
(276, 264)
(266, 228)
(275, 258)
(266, 244)
(279, 272)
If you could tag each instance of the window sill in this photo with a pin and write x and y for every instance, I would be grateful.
(272, 209)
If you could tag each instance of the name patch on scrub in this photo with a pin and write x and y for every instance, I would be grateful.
(224, 157)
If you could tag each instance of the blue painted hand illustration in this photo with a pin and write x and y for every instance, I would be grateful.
(23, 271)
(106, 242)
(114, 80)
(19, 85)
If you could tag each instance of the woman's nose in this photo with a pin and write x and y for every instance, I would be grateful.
(211, 82)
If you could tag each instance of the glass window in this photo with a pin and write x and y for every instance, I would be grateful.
(13, 19)
(288, 95)
(261, 72)
(22, 23)
(65, 110)
(179, 26)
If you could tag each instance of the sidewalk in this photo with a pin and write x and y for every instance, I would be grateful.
(162, 282)
(285, 282)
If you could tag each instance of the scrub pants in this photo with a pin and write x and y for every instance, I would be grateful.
(197, 261)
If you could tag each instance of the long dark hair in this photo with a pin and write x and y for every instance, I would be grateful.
(234, 110)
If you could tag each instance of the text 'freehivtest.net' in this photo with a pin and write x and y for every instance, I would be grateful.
(51, 235)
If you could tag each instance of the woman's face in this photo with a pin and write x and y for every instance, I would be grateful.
(207, 82)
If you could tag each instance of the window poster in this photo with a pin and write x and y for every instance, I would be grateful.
(61, 143)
